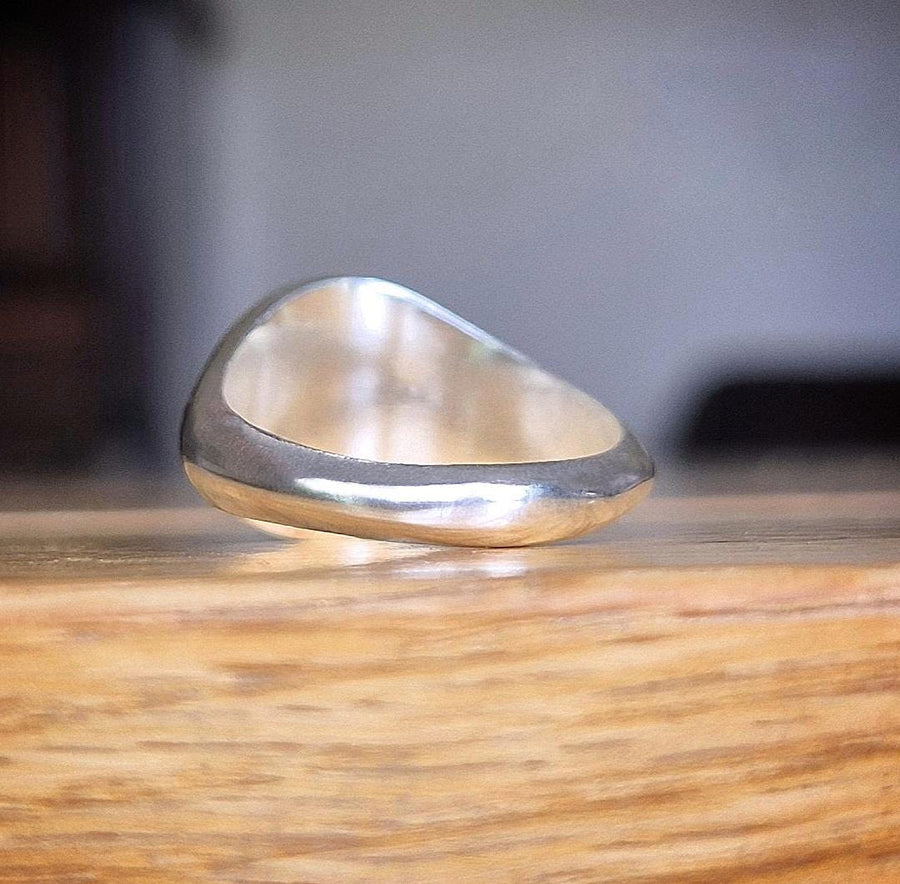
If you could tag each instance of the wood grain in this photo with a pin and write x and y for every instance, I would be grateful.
(707, 692)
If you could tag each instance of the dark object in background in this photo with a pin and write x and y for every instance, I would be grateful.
(74, 306)
(795, 412)
(54, 339)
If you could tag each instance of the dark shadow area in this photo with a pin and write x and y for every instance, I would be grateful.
(76, 313)
(792, 412)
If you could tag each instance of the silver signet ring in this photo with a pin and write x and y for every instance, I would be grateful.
(357, 406)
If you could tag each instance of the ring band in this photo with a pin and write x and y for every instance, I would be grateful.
(357, 406)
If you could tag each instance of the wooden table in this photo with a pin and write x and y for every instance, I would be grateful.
(706, 692)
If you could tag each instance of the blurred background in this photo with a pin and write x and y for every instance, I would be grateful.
(689, 209)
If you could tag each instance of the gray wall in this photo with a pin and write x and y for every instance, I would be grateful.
(635, 194)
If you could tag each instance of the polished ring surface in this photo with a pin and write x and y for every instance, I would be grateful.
(357, 406)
